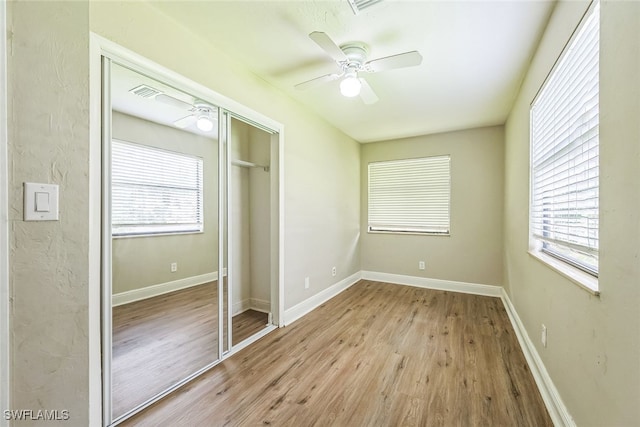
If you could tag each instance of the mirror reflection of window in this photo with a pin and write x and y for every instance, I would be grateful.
(164, 222)
(154, 191)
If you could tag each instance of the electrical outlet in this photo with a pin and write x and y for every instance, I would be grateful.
(543, 336)
(333, 271)
(306, 283)
(421, 265)
(174, 267)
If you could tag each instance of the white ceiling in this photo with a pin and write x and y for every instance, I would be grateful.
(475, 55)
(124, 101)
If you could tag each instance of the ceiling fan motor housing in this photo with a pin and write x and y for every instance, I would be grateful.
(356, 54)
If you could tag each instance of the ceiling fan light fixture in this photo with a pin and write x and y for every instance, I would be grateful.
(350, 86)
(204, 123)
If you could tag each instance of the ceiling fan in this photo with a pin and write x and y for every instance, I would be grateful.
(352, 60)
(202, 114)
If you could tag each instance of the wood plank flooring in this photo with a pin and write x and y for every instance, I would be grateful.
(161, 340)
(247, 323)
(375, 355)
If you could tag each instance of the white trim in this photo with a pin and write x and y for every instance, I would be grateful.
(95, 235)
(253, 338)
(557, 410)
(260, 305)
(278, 214)
(280, 211)
(255, 304)
(581, 278)
(443, 285)
(222, 197)
(311, 303)
(161, 289)
(106, 242)
(5, 367)
(241, 306)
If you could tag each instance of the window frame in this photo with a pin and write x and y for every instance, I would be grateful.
(408, 230)
(580, 274)
(167, 229)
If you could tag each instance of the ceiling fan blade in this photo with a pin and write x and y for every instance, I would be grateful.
(401, 60)
(367, 94)
(317, 81)
(328, 45)
(185, 121)
(174, 102)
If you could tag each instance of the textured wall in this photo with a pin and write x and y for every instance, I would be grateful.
(322, 166)
(593, 346)
(473, 252)
(49, 142)
(139, 262)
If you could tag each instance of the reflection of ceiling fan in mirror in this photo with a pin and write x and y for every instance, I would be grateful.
(202, 114)
(351, 60)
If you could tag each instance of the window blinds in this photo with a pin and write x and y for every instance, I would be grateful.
(410, 195)
(154, 191)
(564, 134)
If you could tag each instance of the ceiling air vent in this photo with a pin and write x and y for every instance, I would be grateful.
(145, 91)
(359, 5)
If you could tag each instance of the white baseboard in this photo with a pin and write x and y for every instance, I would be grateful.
(556, 407)
(300, 309)
(256, 304)
(260, 305)
(162, 288)
(442, 285)
(240, 306)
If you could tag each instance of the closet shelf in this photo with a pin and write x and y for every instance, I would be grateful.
(245, 164)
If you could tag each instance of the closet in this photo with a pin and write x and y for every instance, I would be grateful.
(191, 236)
(249, 228)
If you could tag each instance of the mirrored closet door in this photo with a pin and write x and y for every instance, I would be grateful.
(190, 236)
(165, 313)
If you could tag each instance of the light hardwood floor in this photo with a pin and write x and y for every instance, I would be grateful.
(375, 355)
(159, 341)
(247, 324)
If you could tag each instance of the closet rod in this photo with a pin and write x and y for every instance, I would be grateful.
(245, 164)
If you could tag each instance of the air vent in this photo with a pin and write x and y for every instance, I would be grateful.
(145, 91)
(359, 5)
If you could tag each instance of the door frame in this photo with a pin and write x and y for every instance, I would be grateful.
(5, 367)
(101, 47)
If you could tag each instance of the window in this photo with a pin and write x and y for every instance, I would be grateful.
(410, 196)
(154, 191)
(564, 154)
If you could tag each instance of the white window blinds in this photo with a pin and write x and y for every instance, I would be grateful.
(564, 137)
(410, 195)
(154, 191)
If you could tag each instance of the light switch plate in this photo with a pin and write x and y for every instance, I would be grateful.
(34, 211)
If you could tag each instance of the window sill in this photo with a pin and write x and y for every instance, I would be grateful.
(408, 233)
(164, 234)
(584, 280)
